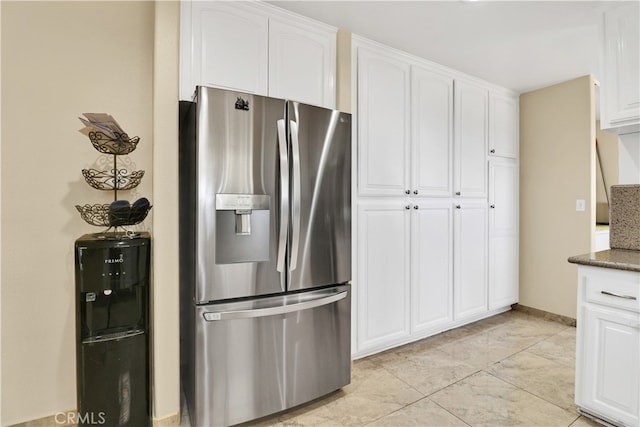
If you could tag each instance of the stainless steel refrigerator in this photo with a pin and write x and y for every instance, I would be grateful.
(265, 254)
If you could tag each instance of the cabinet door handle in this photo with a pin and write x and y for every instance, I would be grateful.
(457, 193)
(493, 151)
(458, 207)
(408, 207)
(416, 207)
(407, 191)
(415, 191)
(492, 206)
(613, 294)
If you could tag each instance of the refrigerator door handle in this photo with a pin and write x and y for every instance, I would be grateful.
(295, 185)
(284, 195)
(272, 311)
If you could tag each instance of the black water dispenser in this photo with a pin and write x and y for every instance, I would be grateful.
(112, 328)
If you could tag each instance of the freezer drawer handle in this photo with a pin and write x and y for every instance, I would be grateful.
(613, 294)
(272, 311)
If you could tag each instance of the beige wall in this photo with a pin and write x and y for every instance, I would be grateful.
(166, 358)
(608, 147)
(343, 87)
(59, 59)
(557, 166)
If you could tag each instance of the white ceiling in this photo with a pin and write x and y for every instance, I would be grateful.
(521, 45)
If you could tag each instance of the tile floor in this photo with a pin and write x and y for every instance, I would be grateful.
(513, 369)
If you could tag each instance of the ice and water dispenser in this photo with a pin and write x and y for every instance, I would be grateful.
(242, 228)
(112, 324)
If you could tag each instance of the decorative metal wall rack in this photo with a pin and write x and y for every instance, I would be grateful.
(119, 213)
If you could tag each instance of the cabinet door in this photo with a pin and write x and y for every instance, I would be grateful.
(470, 259)
(383, 274)
(503, 125)
(229, 47)
(503, 233)
(383, 123)
(302, 62)
(608, 364)
(432, 132)
(470, 140)
(431, 265)
(621, 65)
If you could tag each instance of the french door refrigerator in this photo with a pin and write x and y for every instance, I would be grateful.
(265, 254)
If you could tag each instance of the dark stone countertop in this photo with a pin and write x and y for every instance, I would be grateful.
(619, 259)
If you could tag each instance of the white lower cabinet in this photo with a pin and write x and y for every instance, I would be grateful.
(503, 232)
(431, 266)
(608, 344)
(422, 269)
(470, 259)
(383, 269)
(405, 264)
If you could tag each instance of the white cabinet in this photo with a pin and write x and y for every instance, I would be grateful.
(431, 266)
(302, 62)
(431, 132)
(223, 45)
(470, 259)
(608, 344)
(256, 48)
(405, 263)
(620, 86)
(383, 123)
(384, 271)
(470, 139)
(422, 254)
(503, 232)
(503, 125)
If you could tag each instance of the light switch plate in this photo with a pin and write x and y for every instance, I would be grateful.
(580, 205)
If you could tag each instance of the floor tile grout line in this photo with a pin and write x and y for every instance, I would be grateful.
(528, 392)
(464, 421)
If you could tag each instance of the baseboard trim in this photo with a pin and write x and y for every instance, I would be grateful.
(568, 321)
(172, 420)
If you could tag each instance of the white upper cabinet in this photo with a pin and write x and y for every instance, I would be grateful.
(470, 140)
(503, 125)
(256, 48)
(431, 132)
(620, 86)
(383, 123)
(228, 47)
(302, 62)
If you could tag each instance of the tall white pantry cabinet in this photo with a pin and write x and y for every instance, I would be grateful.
(436, 196)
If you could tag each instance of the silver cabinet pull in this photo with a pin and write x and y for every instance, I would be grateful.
(613, 294)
